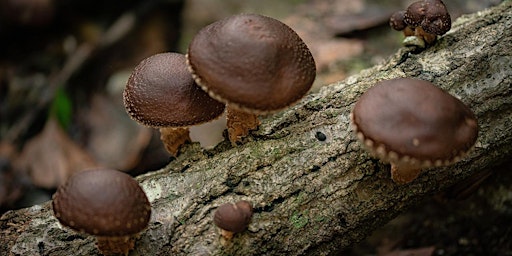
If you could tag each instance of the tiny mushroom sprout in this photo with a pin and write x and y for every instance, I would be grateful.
(253, 63)
(233, 218)
(161, 93)
(413, 124)
(106, 203)
(425, 20)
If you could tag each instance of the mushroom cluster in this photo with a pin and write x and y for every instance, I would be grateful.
(105, 203)
(413, 124)
(250, 63)
(254, 64)
(423, 21)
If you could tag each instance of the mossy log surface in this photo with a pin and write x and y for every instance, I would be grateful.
(311, 196)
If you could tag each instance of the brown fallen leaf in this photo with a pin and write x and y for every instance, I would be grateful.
(330, 51)
(369, 18)
(114, 140)
(51, 157)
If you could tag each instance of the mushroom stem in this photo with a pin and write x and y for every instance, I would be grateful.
(119, 245)
(240, 123)
(408, 31)
(427, 37)
(226, 234)
(173, 138)
(403, 174)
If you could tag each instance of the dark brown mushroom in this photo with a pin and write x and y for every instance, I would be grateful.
(233, 218)
(106, 203)
(161, 93)
(396, 22)
(413, 124)
(254, 64)
(428, 19)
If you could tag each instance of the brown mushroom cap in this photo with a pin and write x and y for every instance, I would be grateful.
(396, 21)
(431, 15)
(252, 62)
(414, 14)
(102, 202)
(412, 121)
(162, 93)
(437, 19)
(233, 217)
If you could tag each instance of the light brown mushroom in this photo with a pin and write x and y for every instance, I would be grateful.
(253, 63)
(413, 125)
(161, 93)
(105, 203)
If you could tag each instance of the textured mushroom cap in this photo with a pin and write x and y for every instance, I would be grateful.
(162, 93)
(102, 202)
(431, 15)
(415, 13)
(252, 62)
(413, 121)
(233, 217)
(396, 21)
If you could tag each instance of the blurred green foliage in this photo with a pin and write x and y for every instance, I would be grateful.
(62, 108)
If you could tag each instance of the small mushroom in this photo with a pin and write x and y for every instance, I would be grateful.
(428, 19)
(413, 124)
(233, 218)
(396, 22)
(161, 93)
(106, 203)
(253, 63)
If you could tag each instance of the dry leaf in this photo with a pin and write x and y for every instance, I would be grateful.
(51, 157)
(114, 139)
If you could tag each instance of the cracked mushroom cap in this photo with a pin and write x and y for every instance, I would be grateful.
(413, 122)
(252, 62)
(431, 15)
(102, 202)
(233, 217)
(161, 93)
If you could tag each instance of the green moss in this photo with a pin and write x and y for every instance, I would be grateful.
(171, 197)
(320, 218)
(299, 220)
(300, 198)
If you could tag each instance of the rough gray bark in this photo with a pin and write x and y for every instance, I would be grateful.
(311, 197)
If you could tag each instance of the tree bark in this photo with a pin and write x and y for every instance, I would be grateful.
(311, 196)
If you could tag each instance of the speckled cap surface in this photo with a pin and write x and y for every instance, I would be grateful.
(252, 62)
(431, 15)
(102, 202)
(162, 93)
(396, 21)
